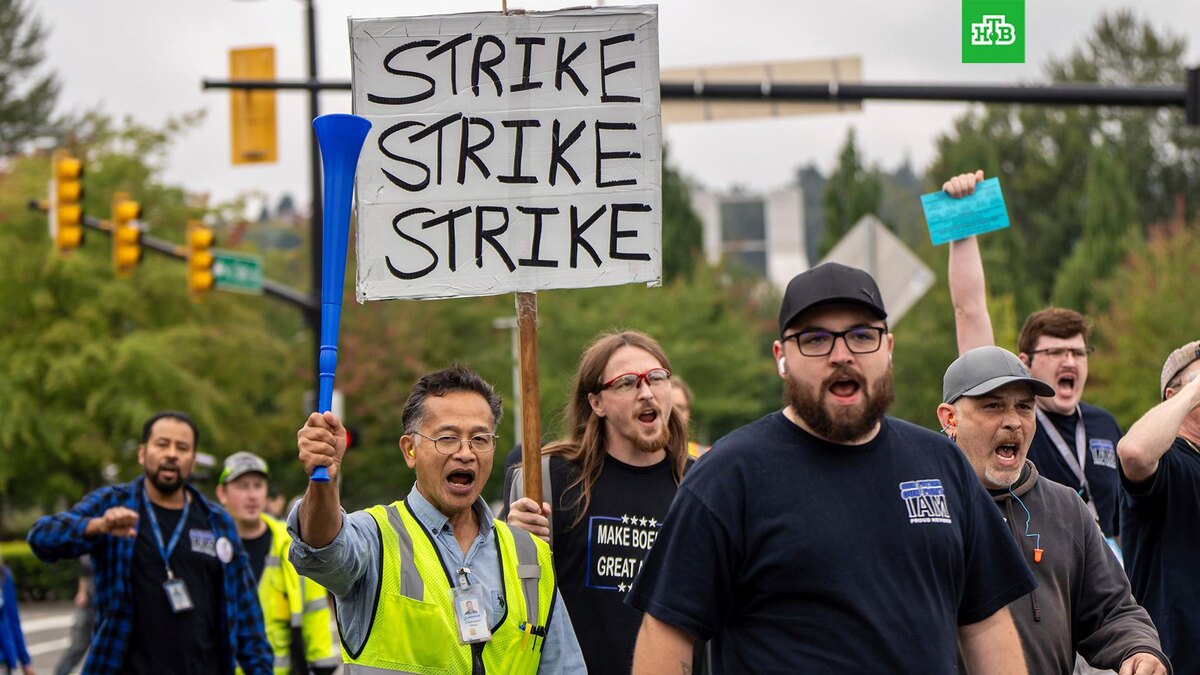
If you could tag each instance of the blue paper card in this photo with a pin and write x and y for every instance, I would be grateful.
(950, 219)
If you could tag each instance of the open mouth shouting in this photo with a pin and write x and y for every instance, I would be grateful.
(648, 417)
(1006, 455)
(845, 388)
(461, 482)
(1065, 385)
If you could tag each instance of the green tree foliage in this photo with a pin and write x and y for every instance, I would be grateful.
(1110, 231)
(1038, 151)
(26, 98)
(682, 232)
(1155, 314)
(853, 191)
(88, 357)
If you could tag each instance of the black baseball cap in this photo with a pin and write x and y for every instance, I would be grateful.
(829, 283)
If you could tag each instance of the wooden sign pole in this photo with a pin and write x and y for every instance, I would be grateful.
(531, 418)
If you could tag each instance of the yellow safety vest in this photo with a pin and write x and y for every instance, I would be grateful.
(288, 600)
(414, 629)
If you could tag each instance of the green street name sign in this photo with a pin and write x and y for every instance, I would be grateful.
(237, 272)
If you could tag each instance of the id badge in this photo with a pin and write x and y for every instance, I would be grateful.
(177, 595)
(471, 615)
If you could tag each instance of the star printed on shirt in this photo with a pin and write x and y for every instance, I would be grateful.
(624, 519)
(653, 522)
(621, 587)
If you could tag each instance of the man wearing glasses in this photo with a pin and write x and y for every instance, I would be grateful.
(1075, 443)
(611, 484)
(406, 575)
(828, 537)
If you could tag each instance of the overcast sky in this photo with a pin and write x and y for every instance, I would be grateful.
(146, 58)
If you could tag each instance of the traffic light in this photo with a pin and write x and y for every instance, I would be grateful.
(126, 235)
(66, 202)
(200, 258)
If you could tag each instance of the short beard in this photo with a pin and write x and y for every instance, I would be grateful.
(848, 424)
(164, 487)
(652, 445)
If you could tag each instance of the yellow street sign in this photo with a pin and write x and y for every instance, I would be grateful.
(252, 111)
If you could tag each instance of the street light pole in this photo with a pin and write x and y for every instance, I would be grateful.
(314, 235)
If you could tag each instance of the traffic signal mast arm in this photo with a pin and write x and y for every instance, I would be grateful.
(172, 250)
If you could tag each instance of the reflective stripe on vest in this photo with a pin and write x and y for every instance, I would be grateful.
(529, 572)
(411, 584)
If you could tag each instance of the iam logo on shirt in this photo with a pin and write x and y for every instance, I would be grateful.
(925, 500)
(1103, 453)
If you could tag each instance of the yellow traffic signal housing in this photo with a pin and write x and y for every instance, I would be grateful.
(66, 197)
(200, 241)
(126, 235)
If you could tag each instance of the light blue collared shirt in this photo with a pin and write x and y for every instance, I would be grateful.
(347, 567)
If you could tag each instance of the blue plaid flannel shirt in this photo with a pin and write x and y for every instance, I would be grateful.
(60, 536)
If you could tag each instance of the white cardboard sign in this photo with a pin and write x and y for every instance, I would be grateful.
(508, 152)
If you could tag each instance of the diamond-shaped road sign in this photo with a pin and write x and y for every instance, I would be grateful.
(901, 276)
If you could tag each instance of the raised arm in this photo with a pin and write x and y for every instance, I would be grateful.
(992, 646)
(968, 290)
(1151, 436)
(322, 442)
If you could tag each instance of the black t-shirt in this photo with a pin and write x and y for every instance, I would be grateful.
(1102, 433)
(797, 555)
(1160, 539)
(258, 548)
(597, 559)
(163, 641)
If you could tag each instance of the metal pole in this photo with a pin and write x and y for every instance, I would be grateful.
(509, 323)
(314, 235)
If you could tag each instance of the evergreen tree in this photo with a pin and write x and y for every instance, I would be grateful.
(26, 99)
(1110, 230)
(852, 192)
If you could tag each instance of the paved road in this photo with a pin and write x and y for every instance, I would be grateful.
(47, 632)
(47, 628)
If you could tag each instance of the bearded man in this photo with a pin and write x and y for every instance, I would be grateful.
(824, 537)
(174, 591)
(612, 481)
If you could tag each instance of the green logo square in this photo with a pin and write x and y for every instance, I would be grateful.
(993, 31)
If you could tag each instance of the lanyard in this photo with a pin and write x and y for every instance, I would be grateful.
(1076, 462)
(165, 551)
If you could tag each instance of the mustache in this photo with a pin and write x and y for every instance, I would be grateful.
(843, 372)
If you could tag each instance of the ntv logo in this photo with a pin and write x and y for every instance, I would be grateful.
(993, 31)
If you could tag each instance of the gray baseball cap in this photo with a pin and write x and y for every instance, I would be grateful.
(986, 369)
(241, 463)
(1178, 360)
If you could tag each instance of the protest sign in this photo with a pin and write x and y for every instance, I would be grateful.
(507, 152)
(950, 219)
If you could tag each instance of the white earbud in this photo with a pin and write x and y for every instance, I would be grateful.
(782, 366)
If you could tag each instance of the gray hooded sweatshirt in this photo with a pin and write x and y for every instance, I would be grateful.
(1082, 590)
